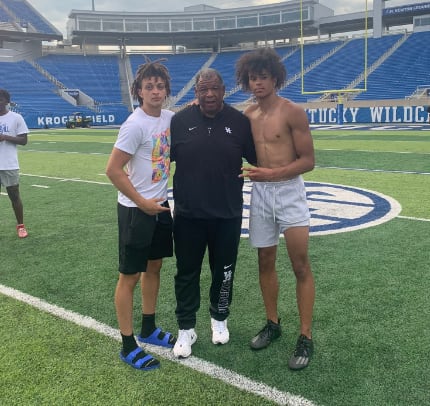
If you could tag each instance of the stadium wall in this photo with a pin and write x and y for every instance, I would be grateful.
(324, 113)
(369, 112)
(35, 120)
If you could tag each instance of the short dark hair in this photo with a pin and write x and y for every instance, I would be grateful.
(255, 62)
(5, 94)
(150, 69)
(208, 72)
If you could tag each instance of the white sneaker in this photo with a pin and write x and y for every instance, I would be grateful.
(186, 338)
(220, 333)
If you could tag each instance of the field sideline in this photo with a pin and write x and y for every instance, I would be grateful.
(192, 362)
(372, 298)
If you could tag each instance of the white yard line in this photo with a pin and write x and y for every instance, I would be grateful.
(200, 365)
(66, 179)
(372, 170)
(412, 218)
(373, 151)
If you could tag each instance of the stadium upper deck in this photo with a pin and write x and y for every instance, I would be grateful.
(19, 21)
(209, 27)
(200, 26)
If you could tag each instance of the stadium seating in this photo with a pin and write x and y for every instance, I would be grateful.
(345, 65)
(28, 15)
(4, 15)
(31, 91)
(95, 75)
(224, 63)
(402, 72)
(328, 65)
(182, 68)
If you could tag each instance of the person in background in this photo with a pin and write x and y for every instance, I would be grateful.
(13, 132)
(209, 141)
(139, 167)
(284, 146)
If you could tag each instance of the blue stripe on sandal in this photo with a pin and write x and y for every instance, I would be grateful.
(154, 340)
(140, 363)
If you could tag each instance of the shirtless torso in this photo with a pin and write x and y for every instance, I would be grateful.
(282, 139)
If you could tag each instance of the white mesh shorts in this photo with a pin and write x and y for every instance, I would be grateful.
(9, 177)
(275, 207)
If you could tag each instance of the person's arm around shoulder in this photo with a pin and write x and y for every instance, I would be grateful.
(174, 131)
(249, 110)
(249, 152)
(246, 169)
(119, 178)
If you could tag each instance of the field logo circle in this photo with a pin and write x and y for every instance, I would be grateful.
(334, 208)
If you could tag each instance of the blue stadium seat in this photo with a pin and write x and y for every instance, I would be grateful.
(99, 75)
(95, 75)
(402, 72)
(26, 14)
(182, 67)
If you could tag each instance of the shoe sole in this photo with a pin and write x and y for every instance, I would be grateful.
(220, 341)
(258, 348)
(181, 356)
(298, 364)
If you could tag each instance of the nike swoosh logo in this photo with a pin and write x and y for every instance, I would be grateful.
(191, 128)
(227, 266)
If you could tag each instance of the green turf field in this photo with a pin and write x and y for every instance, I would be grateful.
(372, 311)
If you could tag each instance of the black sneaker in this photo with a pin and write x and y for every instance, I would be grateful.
(271, 331)
(302, 354)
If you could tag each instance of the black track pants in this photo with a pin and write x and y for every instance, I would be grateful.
(191, 238)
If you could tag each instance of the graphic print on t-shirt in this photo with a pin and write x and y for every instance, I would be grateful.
(4, 129)
(161, 156)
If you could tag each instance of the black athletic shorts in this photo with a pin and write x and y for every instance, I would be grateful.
(142, 237)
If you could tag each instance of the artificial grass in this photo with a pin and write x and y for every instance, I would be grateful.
(49, 361)
(372, 308)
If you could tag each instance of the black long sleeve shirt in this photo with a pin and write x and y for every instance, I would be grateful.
(209, 155)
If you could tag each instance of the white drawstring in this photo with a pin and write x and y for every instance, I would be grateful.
(264, 202)
(274, 190)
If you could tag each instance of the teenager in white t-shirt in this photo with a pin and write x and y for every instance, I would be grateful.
(139, 167)
(13, 132)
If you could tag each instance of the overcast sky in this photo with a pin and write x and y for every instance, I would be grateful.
(57, 11)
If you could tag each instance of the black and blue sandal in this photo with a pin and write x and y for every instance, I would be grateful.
(140, 360)
(158, 337)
